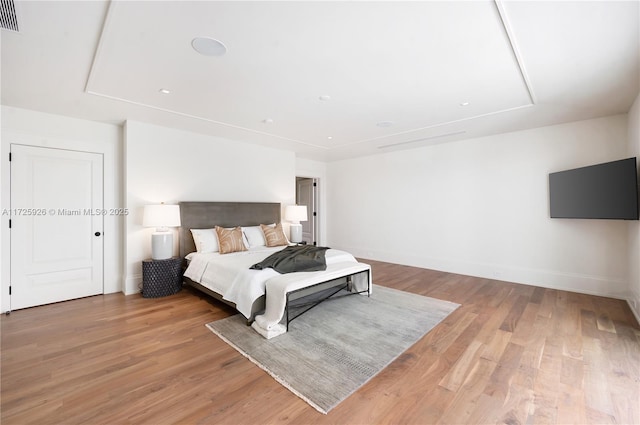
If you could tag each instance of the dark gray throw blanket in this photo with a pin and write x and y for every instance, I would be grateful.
(303, 258)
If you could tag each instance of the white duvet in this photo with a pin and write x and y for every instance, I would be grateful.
(230, 276)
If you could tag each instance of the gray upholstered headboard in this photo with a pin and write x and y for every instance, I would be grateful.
(206, 215)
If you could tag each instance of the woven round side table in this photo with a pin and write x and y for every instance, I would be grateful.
(161, 277)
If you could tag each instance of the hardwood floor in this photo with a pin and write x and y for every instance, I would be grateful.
(510, 354)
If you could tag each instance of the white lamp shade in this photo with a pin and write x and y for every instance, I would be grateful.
(161, 216)
(295, 213)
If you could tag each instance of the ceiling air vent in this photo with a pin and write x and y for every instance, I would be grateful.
(9, 18)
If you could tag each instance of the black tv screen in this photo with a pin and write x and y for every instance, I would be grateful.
(604, 191)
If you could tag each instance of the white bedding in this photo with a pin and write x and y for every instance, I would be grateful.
(229, 274)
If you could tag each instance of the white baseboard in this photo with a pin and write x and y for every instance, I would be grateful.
(605, 286)
(132, 284)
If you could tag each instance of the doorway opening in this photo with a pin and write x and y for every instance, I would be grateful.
(307, 194)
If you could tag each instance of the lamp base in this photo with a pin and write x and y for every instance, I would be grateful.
(161, 245)
(296, 232)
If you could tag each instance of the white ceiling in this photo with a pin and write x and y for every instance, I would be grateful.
(518, 64)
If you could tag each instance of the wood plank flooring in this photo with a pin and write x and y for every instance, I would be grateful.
(511, 354)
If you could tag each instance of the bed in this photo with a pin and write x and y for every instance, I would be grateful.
(265, 297)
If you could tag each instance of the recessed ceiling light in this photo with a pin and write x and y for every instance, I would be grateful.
(324, 97)
(267, 121)
(330, 137)
(208, 46)
(385, 124)
(164, 91)
(464, 104)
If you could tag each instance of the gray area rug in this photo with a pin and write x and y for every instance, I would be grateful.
(335, 348)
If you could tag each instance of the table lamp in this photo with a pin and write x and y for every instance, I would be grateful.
(295, 214)
(161, 217)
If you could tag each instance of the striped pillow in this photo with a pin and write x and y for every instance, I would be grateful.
(274, 235)
(230, 240)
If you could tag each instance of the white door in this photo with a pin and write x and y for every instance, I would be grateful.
(56, 225)
(305, 195)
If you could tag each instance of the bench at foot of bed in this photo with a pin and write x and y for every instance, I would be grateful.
(288, 291)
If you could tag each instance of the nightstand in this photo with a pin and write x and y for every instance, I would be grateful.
(161, 277)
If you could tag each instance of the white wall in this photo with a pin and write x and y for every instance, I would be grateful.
(33, 128)
(480, 207)
(169, 165)
(317, 170)
(477, 207)
(634, 226)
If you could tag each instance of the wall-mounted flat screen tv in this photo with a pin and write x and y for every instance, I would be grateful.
(604, 191)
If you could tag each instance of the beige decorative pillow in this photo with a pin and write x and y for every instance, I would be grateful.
(274, 235)
(230, 240)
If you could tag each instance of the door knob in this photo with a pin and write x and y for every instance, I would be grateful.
(97, 233)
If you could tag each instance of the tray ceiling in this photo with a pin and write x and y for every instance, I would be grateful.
(329, 80)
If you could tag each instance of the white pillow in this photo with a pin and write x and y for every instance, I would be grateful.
(206, 240)
(254, 236)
